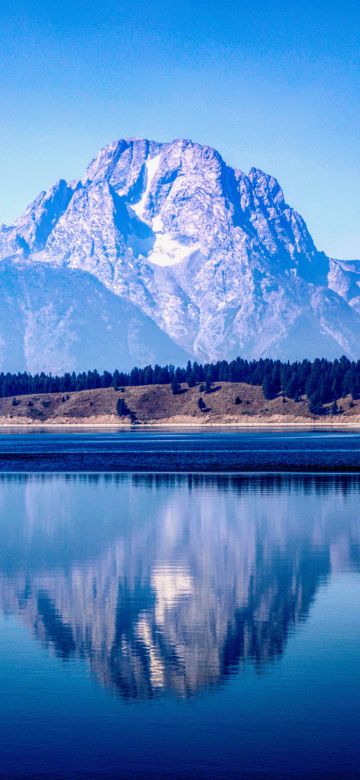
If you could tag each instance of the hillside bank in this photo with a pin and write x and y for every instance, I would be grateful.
(228, 403)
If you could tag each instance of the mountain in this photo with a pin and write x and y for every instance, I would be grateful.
(213, 256)
(55, 320)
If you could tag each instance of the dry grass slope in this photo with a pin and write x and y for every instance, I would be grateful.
(155, 404)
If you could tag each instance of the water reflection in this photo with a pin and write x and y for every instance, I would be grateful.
(169, 583)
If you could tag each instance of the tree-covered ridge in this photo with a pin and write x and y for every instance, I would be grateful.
(322, 381)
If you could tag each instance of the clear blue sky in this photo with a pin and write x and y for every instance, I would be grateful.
(271, 84)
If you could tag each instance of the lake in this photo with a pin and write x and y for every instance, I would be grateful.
(180, 450)
(179, 625)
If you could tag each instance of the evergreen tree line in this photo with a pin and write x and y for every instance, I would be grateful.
(322, 381)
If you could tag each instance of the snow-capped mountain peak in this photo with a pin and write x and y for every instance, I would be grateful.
(216, 257)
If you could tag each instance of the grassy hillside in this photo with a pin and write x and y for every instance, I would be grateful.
(157, 404)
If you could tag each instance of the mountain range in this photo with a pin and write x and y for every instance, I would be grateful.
(163, 252)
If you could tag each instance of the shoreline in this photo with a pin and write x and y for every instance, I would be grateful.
(247, 425)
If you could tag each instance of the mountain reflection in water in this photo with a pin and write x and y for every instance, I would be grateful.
(169, 583)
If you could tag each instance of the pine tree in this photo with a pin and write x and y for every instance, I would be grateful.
(355, 386)
(175, 386)
(122, 408)
(191, 380)
(208, 383)
(268, 387)
(315, 403)
(148, 375)
(116, 380)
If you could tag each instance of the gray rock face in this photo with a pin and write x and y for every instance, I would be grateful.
(215, 257)
(56, 319)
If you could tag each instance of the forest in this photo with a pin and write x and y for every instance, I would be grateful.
(321, 381)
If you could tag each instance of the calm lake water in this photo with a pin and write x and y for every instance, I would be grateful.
(180, 450)
(179, 625)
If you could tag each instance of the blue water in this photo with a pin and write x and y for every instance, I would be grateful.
(188, 450)
(179, 625)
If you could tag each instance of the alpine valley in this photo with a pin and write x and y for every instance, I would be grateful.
(162, 252)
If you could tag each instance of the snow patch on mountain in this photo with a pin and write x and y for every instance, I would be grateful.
(151, 167)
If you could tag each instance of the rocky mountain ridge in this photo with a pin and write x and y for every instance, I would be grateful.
(216, 258)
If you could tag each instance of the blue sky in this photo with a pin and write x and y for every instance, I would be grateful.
(271, 84)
